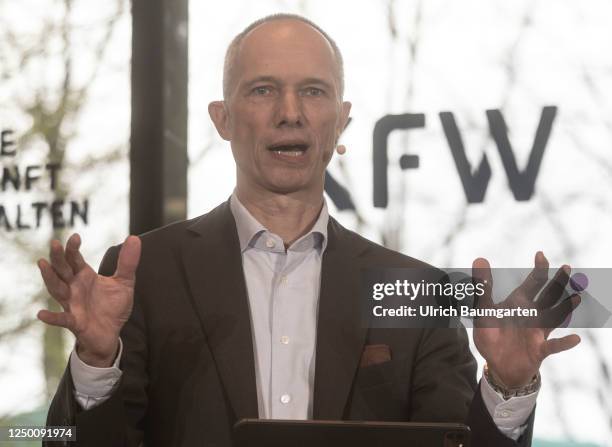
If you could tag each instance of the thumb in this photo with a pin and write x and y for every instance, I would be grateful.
(556, 345)
(129, 256)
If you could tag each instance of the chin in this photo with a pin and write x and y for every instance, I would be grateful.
(285, 187)
(288, 185)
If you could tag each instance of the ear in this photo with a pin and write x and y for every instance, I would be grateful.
(219, 116)
(344, 118)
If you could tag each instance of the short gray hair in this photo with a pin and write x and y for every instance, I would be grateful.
(232, 50)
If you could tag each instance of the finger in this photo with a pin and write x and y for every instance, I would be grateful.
(556, 345)
(55, 286)
(481, 272)
(554, 289)
(73, 255)
(553, 317)
(58, 261)
(60, 319)
(129, 256)
(537, 277)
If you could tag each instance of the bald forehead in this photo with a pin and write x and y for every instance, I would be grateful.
(292, 31)
(277, 38)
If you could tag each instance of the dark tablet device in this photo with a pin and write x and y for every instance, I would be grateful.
(281, 433)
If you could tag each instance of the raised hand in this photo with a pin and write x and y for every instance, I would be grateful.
(95, 307)
(514, 350)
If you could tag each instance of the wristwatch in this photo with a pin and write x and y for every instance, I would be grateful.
(508, 393)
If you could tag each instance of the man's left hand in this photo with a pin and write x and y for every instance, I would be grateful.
(515, 350)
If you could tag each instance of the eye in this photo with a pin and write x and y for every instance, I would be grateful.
(261, 90)
(313, 91)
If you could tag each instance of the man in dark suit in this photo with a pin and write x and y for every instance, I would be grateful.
(252, 309)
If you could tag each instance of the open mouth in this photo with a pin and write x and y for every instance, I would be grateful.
(289, 150)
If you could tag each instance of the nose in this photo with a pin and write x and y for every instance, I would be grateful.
(289, 111)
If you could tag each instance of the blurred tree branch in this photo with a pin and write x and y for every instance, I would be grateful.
(51, 108)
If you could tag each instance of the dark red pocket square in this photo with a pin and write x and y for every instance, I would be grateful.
(375, 354)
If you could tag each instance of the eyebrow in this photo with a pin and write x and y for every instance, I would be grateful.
(318, 81)
(258, 79)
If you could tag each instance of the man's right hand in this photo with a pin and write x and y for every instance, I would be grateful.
(95, 307)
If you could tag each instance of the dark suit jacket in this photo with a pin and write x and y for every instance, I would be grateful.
(188, 366)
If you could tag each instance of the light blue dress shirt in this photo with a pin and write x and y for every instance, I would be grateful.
(283, 290)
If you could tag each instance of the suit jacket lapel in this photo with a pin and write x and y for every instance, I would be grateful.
(340, 335)
(213, 268)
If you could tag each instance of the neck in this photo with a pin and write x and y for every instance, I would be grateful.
(288, 215)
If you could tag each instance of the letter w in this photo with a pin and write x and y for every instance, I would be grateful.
(522, 184)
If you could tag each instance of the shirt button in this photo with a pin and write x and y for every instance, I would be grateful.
(270, 243)
(505, 414)
(285, 398)
(285, 340)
